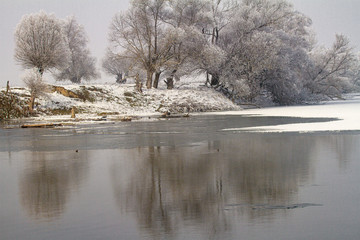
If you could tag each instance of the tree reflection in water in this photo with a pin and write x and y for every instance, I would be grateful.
(47, 181)
(169, 187)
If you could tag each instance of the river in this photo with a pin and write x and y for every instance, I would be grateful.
(179, 179)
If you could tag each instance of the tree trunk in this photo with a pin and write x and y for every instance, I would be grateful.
(170, 80)
(214, 79)
(31, 103)
(41, 70)
(149, 79)
(156, 80)
(169, 83)
(119, 78)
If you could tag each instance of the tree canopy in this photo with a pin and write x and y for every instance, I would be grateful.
(46, 42)
(80, 65)
(247, 49)
(39, 42)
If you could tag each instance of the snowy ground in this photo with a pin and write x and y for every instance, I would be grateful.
(116, 101)
(347, 112)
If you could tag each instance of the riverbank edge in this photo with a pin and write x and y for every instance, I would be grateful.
(76, 104)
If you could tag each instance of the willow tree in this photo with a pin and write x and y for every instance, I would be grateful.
(136, 34)
(39, 42)
(113, 65)
(80, 65)
(332, 72)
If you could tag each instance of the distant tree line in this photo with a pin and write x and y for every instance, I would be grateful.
(247, 49)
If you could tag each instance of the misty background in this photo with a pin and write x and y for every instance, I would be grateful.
(329, 17)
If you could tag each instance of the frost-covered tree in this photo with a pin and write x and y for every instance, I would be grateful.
(186, 19)
(114, 65)
(249, 49)
(80, 65)
(355, 73)
(39, 42)
(33, 79)
(188, 13)
(269, 51)
(162, 37)
(265, 42)
(137, 33)
(185, 54)
(220, 14)
(332, 72)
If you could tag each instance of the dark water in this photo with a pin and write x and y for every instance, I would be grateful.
(179, 179)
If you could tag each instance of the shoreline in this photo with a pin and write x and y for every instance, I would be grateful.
(121, 103)
(95, 102)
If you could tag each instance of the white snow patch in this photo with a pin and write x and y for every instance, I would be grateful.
(347, 111)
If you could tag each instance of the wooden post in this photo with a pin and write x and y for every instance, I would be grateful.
(31, 103)
(138, 83)
(73, 112)
(7, 87)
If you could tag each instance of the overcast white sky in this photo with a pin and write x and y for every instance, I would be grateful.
(329, 17)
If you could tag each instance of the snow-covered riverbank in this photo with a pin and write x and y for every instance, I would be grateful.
(114, 102)
(117, 101)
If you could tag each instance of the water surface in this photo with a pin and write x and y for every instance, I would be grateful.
(179, 179)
